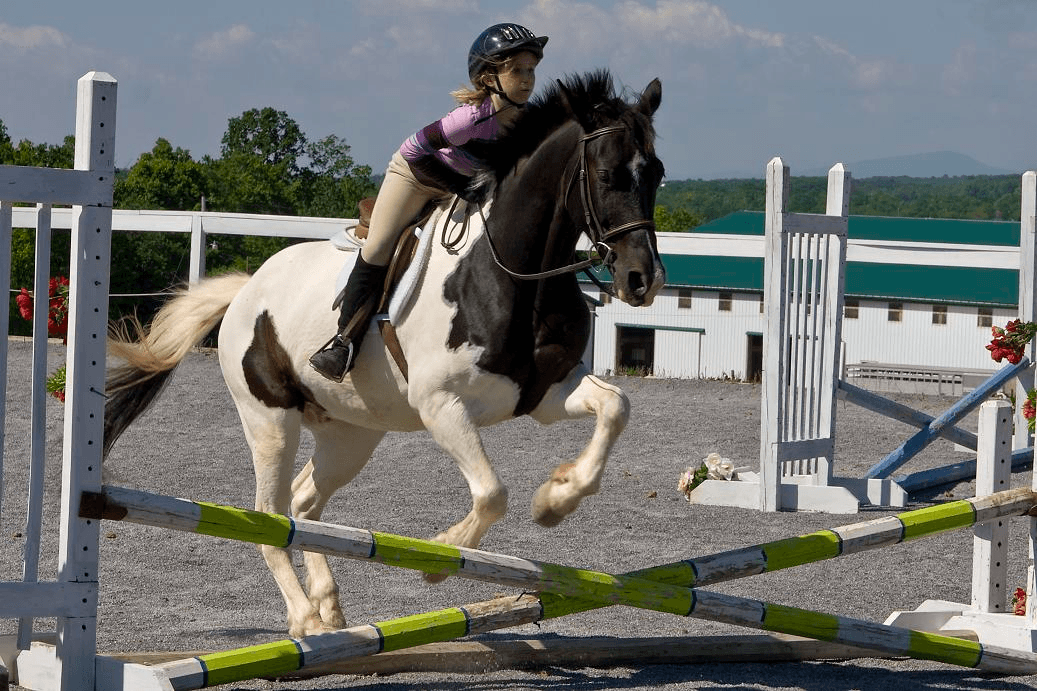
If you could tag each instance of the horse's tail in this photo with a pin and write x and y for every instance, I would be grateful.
(151, 354)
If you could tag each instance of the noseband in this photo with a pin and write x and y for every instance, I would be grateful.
(595, 231)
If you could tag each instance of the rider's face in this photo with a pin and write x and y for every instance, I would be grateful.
(519, 77)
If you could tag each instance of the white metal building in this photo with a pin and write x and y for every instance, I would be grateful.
(920, 293)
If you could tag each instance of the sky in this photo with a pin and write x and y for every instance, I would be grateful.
(814, 81)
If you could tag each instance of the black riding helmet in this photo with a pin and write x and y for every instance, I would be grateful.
(499, 41)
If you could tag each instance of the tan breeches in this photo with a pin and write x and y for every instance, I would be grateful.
(400, 198)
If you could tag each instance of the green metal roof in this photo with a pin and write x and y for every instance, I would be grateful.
(897, 282)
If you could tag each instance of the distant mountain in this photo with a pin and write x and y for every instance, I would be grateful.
(929, 165)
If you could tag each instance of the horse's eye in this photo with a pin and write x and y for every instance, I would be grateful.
(603, 176)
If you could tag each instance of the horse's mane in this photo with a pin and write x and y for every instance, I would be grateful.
(589, 99)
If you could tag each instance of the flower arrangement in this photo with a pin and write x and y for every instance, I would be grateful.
(1019, 602)
(714, 467)
(1009, 344)
(57, 324)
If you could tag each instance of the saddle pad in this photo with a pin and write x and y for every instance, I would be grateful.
(401, 297)
(346, 239)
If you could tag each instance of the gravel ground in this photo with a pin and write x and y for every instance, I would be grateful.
(166, 591)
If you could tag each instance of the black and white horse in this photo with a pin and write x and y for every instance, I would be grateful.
(482, 345)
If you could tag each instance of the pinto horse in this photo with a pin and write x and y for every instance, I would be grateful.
(495, 329)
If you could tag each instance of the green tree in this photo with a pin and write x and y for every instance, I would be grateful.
(6, 150)
(676, 220)
(332, 185)
(267, 134)
(164, 178)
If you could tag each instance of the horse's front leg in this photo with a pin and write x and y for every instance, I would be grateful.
(580, 394)
(447, 420)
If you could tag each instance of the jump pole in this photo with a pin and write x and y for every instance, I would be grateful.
(594, 589)
(925, 436)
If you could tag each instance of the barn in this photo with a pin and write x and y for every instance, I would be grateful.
(921, 296)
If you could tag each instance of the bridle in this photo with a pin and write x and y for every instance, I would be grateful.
(595, 231)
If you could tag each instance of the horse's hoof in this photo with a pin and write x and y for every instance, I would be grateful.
(311, 627)
(542, 511)
(334, 621)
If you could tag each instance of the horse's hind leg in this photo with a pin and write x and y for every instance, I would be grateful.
(273, 436)
(579, 395)
(341, 450)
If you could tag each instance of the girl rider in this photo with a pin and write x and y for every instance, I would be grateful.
(430, 165)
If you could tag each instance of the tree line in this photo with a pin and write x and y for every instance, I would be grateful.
(683, 205)
(267, 165)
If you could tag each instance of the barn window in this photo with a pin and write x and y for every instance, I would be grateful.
(684, 298)
(896, 312)
(851, 309)
(724, 303)
(985, 318)
(761, 303)
(939, 314)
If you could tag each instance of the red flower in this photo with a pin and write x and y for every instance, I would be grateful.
(57, 315)
(1029, 411)
(1010, 342)
(24, 300)
(1019, 602)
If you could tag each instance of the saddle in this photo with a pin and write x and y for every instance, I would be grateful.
(402, 256)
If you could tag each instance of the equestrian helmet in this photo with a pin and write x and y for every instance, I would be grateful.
(499, 41)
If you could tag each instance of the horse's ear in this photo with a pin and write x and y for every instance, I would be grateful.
(568, 100)
(651, 97)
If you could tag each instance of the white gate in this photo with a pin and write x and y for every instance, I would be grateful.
(72, 597)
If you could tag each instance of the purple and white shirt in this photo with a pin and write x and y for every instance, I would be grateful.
(441, 139)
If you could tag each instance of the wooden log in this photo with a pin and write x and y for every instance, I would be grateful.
(599, 652)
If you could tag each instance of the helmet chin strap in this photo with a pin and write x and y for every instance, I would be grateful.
(500, 92)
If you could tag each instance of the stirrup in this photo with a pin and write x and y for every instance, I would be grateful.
(335, 359)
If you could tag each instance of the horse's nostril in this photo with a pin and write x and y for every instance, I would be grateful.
(636, 282)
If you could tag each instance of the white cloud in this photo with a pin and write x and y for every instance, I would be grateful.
(394, 8)
(31, 37)
(223, 43)
(674, 21)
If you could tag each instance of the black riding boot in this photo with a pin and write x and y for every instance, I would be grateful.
(356, 300)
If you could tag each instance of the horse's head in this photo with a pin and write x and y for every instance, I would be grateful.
(581, 159)
(610, 192)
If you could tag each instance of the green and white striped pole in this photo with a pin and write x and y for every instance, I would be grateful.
(596, 588)
(826, 544)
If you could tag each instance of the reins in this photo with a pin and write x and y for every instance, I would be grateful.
(595, 231)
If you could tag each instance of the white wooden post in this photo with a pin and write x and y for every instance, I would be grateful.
(38, 414)
(85, 371)
(774, 306)
(5, 281)
(993, 474)
(198, 245)
(1025, 381)
(1027, 303)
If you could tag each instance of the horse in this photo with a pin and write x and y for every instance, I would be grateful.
(495, 329)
